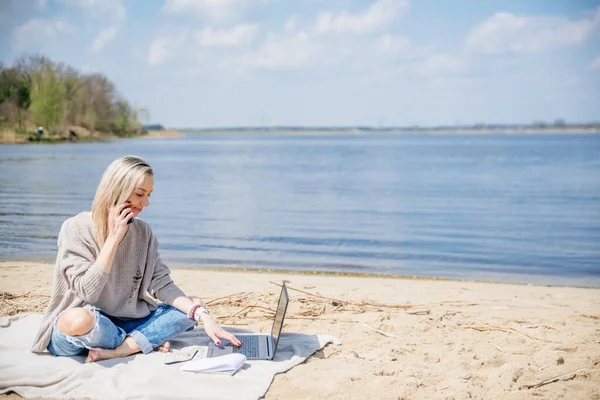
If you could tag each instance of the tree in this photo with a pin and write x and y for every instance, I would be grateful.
(72, 83)
(27, 65)
(14, 95)
(124, 116)
(97, 99)
(56, 96)
(47, 97)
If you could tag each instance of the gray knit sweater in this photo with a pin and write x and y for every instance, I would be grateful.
(137, 274)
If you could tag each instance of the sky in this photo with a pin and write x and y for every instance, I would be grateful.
(231, 63)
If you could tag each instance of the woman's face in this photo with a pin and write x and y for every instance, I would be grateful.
(139, 197)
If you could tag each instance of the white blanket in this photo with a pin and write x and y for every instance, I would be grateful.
(138, 376)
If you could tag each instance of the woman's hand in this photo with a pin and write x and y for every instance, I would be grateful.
(215, 332)
(117, 221)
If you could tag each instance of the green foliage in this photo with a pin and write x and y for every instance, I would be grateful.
(47, 96)
(38, 92)
(13, 87)
(124, 116)
(14, 97)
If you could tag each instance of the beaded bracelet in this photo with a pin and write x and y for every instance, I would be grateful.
(192, 311)
(195, 308)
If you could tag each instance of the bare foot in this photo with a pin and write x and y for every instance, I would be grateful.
(98, 355)
(127, 348)
(106, 354)
(164, 348)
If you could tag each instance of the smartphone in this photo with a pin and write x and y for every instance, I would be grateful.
(176, 358)
(130, 219)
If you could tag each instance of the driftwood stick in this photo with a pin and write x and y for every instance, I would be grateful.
(311, 294)
(591, 316)
(562, 377)
(460, 302)
(234, 315)
(321, 319)
(544, 325)
(223, 297)
(505, 329)
(402, 306)
(380, 332)
(419, 312)
(495, 345)
(546, 366)
(382, 305)
(17, 295)
(261, 308)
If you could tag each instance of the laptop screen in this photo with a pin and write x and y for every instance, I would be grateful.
(279, 316)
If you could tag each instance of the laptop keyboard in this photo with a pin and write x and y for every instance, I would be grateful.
(250, 347)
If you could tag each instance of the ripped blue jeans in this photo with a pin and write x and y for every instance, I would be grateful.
(109, 332)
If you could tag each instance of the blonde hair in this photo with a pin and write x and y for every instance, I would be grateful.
(118, 182)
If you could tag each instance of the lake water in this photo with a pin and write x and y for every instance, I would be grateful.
(516, 208)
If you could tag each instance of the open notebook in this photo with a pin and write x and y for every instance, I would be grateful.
(226, 364)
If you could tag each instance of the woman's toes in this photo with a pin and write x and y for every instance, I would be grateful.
(164, 348)
(92, 355)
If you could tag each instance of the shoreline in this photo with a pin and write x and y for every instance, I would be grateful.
(181, 133)
(417, 339)
(164, 134)
(372, 275)
(390, 131)
(333, 274)
(11, 137)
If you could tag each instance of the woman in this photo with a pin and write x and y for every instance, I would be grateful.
(106, 271)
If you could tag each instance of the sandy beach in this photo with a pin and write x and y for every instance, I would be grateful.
(401, 338)
(164, 134)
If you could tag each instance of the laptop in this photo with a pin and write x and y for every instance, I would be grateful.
(256, 346)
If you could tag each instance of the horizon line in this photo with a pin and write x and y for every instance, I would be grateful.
(537, 125)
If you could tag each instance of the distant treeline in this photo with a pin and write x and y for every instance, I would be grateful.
(36, 92)
(154, 127)
(556, 126)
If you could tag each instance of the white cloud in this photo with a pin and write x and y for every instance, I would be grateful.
(393, 44)
(441, 63)
(236, 36)
(37, 31)
(291, 23)
(379, 15)
(196, 6)
(171, 45)
(105, 36)
(111, 10)
(408, 58)
(595, 64)
(509, 33)
(42, 4)
(100, 8)
(157, 52)
(216, 10)
(280, 52)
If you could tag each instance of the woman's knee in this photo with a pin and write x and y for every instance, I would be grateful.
(76, 321)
